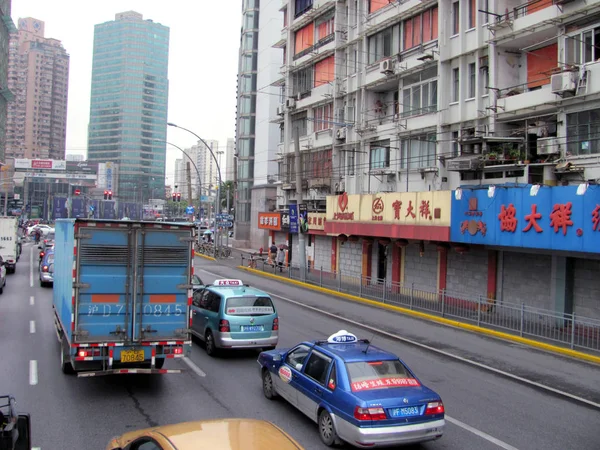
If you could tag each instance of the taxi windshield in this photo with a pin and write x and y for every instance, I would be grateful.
(249, 306)
(379, 374)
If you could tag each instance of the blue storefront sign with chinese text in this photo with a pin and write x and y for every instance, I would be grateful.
(553, 218)
(293, 218)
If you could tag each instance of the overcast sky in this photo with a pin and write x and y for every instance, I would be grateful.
(203, 61)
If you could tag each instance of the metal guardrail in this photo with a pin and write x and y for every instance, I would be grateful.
(576, 332)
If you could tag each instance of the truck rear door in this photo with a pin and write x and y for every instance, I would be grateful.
(104, 283)
(163, 273)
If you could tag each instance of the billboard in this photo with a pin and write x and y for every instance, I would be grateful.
(82, 167)
(47, 164)
(108, 210)
(59, 208)
(78, 207)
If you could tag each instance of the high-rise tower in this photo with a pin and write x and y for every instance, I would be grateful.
(128, 108)
(38, 76)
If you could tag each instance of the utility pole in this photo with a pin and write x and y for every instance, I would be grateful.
(188, 168)
(228, 212)
(298, 167)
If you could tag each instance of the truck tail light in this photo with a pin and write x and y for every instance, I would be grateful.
(89, 352)
(275, 324)
(369, 413)
(434, 408)
(178, 351)
(224, 326)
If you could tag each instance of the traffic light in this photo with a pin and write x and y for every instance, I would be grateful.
(105, 195)
(110, 195)
(174, 196)
(179, 196)
(77, 192)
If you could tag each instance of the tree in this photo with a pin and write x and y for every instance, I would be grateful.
(224, 186)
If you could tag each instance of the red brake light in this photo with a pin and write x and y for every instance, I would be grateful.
(369, 413)
(178, 351)
(434, 408)
(42, 254)
(275, 324)
(45, 269)
(224, 326)
(82, 353)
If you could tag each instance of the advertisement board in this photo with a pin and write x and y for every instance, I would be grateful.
(82, 166)
(59, 208)
(40, 164)
(78, 208)
(293, 212)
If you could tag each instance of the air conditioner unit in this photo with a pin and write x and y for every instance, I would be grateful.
(280, 110)
(548, 146)
(290, 103)
(386, 66)
(340, 133)
(564, 82)
(391, 177)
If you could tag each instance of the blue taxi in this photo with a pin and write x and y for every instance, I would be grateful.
(354, 391)
(229, 314)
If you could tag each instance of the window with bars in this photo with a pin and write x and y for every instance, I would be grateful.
(302, 81)
(583, 47)
(419, 95)
(383, 44)
(317, 164)
(583, 133)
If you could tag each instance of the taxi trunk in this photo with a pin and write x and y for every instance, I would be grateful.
(250, 317)
(398, 406)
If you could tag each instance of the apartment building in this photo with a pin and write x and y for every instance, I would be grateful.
(7, 27)
(425, 126)
(38, 76)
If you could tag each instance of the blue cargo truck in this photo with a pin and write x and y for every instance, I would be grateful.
(122, 295)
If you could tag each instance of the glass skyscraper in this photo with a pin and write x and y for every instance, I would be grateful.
(128, 108)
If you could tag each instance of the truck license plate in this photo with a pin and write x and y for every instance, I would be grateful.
(129, 356)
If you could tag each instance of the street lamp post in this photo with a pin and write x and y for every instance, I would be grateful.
(218, 199)
(195, 167)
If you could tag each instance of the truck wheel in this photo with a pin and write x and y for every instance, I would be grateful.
(65, 364)
(209, 343)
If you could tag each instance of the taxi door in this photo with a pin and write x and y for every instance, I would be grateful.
(312, 383)
(287, 377)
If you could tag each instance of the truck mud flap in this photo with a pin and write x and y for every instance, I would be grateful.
(128, 372)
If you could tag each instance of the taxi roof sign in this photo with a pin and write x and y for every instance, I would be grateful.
(227, 282)
(342, 337)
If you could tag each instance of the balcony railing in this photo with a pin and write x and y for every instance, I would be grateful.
(324, 41)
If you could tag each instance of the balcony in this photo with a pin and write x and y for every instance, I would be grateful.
(325, 45)
(535, 21)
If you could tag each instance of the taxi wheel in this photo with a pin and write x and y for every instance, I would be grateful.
(267, 383)
(209, 344)
(327, 430)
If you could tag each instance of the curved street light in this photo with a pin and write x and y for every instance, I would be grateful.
(195, 167)
(218, 199)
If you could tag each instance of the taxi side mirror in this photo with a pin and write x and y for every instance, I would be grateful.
(24, 429)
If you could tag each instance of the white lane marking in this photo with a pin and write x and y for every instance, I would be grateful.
(32, 300)
(31, 267)
(194, 367)
(435, 350)
(32, 326)
(33, 372)
(481, 434)
(36, 448)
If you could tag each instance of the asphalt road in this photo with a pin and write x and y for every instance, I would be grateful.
(486, 411)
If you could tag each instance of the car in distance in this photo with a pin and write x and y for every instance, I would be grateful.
(356, 392)
(231, 315)
(47, 269)
(224, 434)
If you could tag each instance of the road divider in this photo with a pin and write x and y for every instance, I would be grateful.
(430, 317)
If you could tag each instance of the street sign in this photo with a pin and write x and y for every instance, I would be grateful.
(189, 210)
(224, 224)
(227, 217)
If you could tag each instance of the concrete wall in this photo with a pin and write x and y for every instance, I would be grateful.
(262, 200)
(322, 252)
(586, 289)
(350, 258)
(421, 270)
(526, 278)
(467, 273)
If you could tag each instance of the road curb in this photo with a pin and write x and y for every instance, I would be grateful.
(441, 320)
(210, 258)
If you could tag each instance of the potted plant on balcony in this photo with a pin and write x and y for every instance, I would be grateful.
(492, 156)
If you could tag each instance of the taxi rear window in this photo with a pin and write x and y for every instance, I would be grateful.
(249, 306)
(367, 375)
